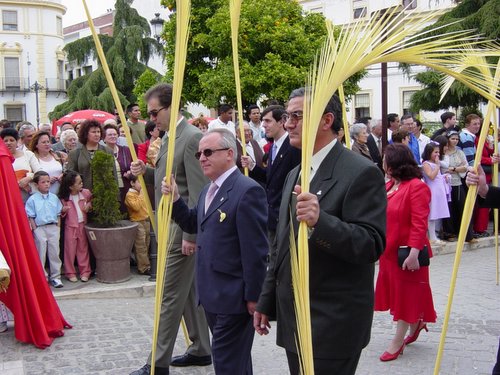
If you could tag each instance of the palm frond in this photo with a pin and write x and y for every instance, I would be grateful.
(165, 208)
(389, 37)
(234, 12)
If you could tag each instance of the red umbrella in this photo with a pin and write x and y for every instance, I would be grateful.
(85, 114)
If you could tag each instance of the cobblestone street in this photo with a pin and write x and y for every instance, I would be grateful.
(112, 332)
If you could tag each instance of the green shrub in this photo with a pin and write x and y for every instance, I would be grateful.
(106, 207)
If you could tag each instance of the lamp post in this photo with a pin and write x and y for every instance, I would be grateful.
(384, 7)
(157, 24)
(36, 87)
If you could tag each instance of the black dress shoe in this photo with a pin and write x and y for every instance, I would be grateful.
(146, 370)
(191, 360)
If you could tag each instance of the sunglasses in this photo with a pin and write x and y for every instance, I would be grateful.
(208, 152)
(154, 112)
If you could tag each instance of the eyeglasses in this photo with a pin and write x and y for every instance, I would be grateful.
(154, 112)
(294, 116)
(208, 152)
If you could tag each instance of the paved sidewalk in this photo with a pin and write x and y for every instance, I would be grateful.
(112, 329)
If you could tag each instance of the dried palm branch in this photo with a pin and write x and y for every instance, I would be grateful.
(383, 38)
(183, 11)
(234, 12)
(118, 106)
(467, 215)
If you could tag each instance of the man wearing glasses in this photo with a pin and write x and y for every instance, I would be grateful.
(179, 296)
(345, 214)
(230, 220)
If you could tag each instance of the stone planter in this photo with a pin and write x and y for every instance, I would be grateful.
(111, 248)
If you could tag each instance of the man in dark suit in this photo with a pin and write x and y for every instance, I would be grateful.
(489, 197)
(230, 221)
(179, 295)
(345, 214)
(282, 160)
(374, 143)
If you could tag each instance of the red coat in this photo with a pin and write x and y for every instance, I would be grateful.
(38, 319)
(406, 294)
(486, 160)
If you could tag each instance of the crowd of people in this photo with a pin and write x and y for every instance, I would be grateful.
(443, 158)
(365, 205)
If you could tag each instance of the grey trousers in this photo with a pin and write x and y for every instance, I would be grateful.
(179, 299)
(47, 244)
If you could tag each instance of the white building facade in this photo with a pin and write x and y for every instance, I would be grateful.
(32, 78)
(400, 88)
(104, 25)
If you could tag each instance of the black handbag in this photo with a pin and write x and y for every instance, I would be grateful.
(423, 255)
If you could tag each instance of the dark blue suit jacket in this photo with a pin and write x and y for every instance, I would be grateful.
(231, 244)
(274, 177)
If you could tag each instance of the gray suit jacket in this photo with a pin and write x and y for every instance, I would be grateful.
(347, 240)
(186, 169)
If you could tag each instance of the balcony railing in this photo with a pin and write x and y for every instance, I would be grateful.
(15, 84)
(18, 84)
(55, 84)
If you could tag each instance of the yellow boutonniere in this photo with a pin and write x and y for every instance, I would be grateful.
(222, 216)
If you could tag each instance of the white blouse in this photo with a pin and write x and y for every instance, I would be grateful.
(28, 162)
(53, 168)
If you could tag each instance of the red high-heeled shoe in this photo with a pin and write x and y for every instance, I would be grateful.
(412, 338)
(392, 356)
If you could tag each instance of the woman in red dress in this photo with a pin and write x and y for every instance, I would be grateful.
(405, 291)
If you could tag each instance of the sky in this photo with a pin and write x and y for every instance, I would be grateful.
(76, 13)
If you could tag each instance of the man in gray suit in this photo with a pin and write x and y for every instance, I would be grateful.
(345, 214)
(179, 296)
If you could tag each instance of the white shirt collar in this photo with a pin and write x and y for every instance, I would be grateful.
(278, 142)
(318, 158)
(220, 180)
(465, 130)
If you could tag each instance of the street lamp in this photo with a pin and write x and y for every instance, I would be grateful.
(157, 24)
(36, 87)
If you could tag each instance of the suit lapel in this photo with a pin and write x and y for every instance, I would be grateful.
(164, 141)
(325, 178)
(278, 159)
(163, 149)
(284, 214)
(222, 195)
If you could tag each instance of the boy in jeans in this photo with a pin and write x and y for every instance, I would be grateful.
(44, 210)
(136, 207)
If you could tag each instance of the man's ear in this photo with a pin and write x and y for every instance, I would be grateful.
(327, 121)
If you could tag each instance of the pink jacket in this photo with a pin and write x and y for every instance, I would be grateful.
(71, 215)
